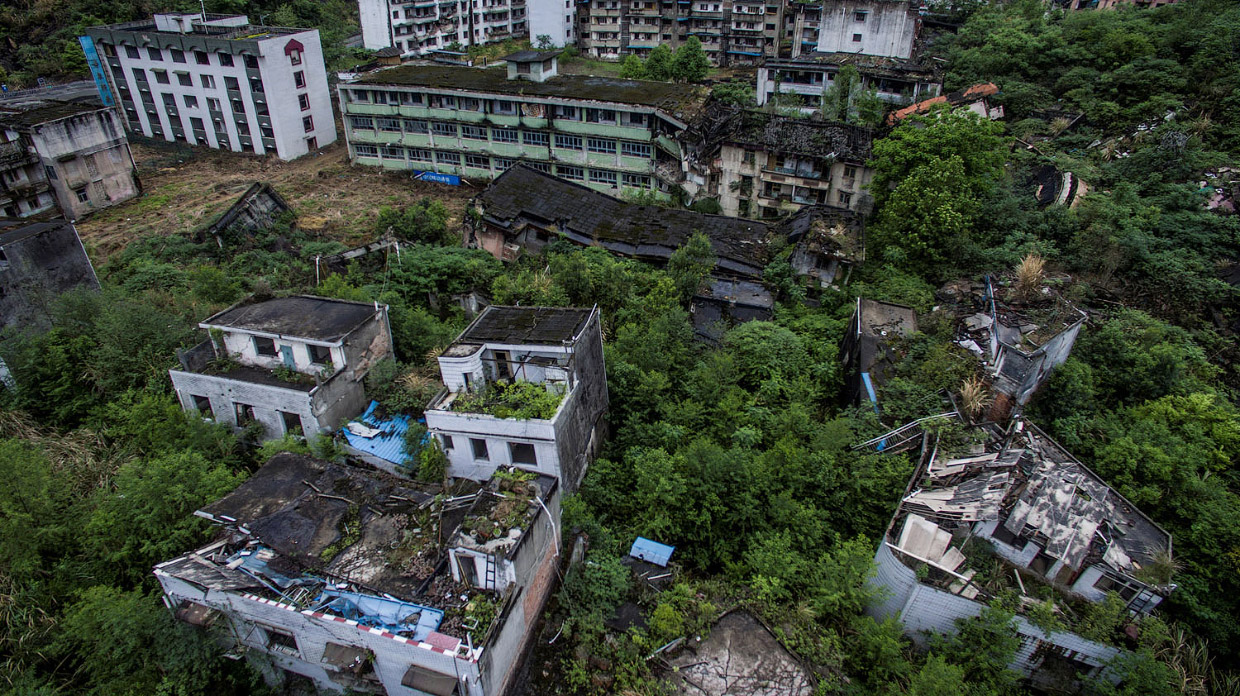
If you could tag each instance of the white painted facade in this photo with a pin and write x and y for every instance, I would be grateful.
(221, 84)
(868, 27)
(415, 28)
(553, 18)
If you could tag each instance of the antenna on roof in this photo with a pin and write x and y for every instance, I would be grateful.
(203, 5)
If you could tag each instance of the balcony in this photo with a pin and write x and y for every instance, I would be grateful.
(15, 153)
(791, 171)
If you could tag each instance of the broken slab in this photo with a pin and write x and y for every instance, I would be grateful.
(740, 658)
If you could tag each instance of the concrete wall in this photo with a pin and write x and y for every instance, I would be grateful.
(36, 270)
(581, 433)
(498, 433)
(534, 562)
(89, 153)
(888, 30)
(247, 615)
(268, 401)
(923, 610)
(376, 31)
(555, 18)
(282, 92)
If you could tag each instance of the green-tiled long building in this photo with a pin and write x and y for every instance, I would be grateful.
(612, 135)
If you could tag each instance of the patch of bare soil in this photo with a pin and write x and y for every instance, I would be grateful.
(186, 188)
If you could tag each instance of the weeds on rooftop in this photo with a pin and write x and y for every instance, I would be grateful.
(520, 400)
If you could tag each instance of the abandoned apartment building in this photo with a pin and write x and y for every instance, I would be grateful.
(504, 362)
(524, 210)
(294, 364)
(348, 578)
(608, 134)
(63, 158)
(1018, 513)
(39, 261)
(763, 165)
(217, 80)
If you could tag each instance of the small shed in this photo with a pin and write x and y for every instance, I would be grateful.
(651, 551)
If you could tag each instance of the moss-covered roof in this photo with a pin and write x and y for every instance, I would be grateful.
(679, 100)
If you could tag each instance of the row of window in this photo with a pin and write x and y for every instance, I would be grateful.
(243, 414)
(519, 452)
(208, 81)
(502, 107)
(500, 135)
(200, 57)
(501, 164)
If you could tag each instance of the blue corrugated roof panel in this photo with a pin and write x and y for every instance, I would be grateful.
(652, 551)
(388, 444)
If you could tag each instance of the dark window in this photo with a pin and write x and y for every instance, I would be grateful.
(197, 124)
(447, 442)
(154, 54)
(299, 79)
(265, 346)
(161, 76)
(292, 423)
(203, 404)
(523, 453)
(534, 138)
(859, 16)
(303, 101)
(251, 62)
(82, 195)
(225, 59)
(178, 56)
(320, 355)
(244, 413)
(280, 641)
(308, 123)
(1001, 534)
(231, 83)
(856, 38)
(184, 80)
(201, 58)
(480, 449)
(131, 51)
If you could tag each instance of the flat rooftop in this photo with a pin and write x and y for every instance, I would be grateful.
(300, 316)
(673, 98)
(799, 136)
(907, 68)
(885, 318)
(33, 113)
(525, 325)
(16, 229)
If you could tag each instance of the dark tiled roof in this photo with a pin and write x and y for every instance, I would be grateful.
(673, 98)
(529, 325)
(300, 316)
(34, 113)
(530, 56)
(640, 231)
(16, 229)
(799, 136)
(918, 67)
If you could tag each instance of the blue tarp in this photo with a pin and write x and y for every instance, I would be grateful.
(390, 615)
(389, 444)
(257, 566)
(651, 551)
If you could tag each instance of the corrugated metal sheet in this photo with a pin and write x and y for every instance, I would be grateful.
(651, 551)
(388, 444)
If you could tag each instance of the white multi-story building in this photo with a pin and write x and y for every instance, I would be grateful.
(482, 426)
(218, 81)
(553, 19)
(415, 27)
(869, 27)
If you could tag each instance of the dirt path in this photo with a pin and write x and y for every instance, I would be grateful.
(188, 187)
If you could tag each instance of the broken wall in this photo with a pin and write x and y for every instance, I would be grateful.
(87, 152)
(37, 269)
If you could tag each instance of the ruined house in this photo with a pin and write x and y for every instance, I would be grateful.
(1020, 338)
(63, 157)
(1018, 513)
(867, 352)
(257, 209)
(38, 262)
(524, 210)
(972, 99)
(740, 657)
(765, 165)
(896, 80)
(362, 581)
(523, 387)
(294, 364)
(1055, 187)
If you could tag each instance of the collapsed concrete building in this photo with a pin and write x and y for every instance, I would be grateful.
(898, 81)
(39, 261)
(494, 372)
(63, 157)
(763, 165)
(258, 208)
(293, 364)
(1017, 514)
(867, 353)
(362, 581)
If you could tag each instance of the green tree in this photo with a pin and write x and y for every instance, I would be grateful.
(660, 64)
(633, 68)
(931, 141)
(691, 264)
(734, 94)
(926, 222)
(690, 63)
